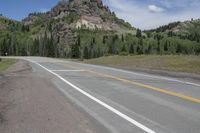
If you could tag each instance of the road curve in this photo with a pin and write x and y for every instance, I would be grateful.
(123, 101)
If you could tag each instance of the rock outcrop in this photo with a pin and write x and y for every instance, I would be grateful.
(68, 16)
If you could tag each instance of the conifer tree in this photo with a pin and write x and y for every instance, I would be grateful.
(131, 49)
(85, 53)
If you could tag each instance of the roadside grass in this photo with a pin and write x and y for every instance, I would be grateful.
(6, 63)
(178, 63)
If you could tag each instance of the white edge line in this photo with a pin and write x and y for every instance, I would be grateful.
(144, 128)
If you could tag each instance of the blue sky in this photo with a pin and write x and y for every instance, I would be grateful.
(144, 14)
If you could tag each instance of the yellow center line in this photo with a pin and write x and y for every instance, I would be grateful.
(182, 96)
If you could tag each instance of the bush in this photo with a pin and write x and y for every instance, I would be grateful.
(124, 53)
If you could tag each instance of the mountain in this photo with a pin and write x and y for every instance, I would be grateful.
(189, 29)
(6, 23)
(78, 13)
(88, 29)
(65, 19)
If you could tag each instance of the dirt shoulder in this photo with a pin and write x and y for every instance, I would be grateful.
(30, 103)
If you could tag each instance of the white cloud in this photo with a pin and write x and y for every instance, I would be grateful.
(139, 15)
(154, 8)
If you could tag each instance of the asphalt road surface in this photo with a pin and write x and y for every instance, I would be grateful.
(120, 101)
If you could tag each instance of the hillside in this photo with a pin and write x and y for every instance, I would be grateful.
(89, 13)
(189, 29)
(88, 29)
(64, 25)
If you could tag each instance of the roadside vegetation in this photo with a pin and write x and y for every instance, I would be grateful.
(96, 43)
(6, 63)
(178, 63)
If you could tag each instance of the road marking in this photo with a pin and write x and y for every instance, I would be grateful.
(67, 70)
(145, 75)
(149, 87)
(134, 122)
(182, 96)
(189, 98)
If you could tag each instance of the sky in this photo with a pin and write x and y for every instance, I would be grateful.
(143, 14)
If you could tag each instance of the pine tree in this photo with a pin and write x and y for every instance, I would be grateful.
(104, 39)
(166, 46)
(122, 38)
(123, 48)
(150, 49)
(50, 47)
(138, 33)
(75, 51)
(131, 49)
(85, 53)
(158, 48)
(4, 47)
(140, 43)
(79, 40)
(178, 49)
(138, 50)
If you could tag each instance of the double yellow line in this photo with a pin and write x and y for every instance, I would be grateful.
(179, 95)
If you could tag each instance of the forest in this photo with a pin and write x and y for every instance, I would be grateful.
(15, 40)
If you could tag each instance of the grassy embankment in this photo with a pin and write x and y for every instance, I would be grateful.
(182, 63)
(6, 63)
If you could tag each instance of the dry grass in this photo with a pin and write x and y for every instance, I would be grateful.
(5, 63)
(182, 63)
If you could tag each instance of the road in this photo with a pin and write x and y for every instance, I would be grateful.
(121, 101)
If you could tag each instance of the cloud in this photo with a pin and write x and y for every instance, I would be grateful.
(137, 12)
(155, 9)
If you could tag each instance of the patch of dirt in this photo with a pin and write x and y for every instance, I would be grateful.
(30, 103)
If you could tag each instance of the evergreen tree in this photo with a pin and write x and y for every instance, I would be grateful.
(166, 46)
(141, 46)
(158, 48)
(85, 53)
(75, 51)
(138, 33)
(179, 48)
(122, 38)
(50, 47)
(104, 39)
(4, 48)
(131, 49)
(149, 50)
(79, 40)
(138, 50)
(123, 48)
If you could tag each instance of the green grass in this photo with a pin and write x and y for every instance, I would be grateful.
(6, 63)
(182, 63)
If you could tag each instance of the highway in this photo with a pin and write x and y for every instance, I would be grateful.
(124, 101)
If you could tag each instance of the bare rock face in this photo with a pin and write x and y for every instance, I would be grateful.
(63, 34)
(90, 14)
(59, 8)
(183, 28)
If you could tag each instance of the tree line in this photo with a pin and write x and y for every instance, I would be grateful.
(97, 46)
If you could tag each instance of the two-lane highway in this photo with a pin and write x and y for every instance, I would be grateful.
(123, 101)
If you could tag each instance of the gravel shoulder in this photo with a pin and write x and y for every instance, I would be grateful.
(32, 104)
